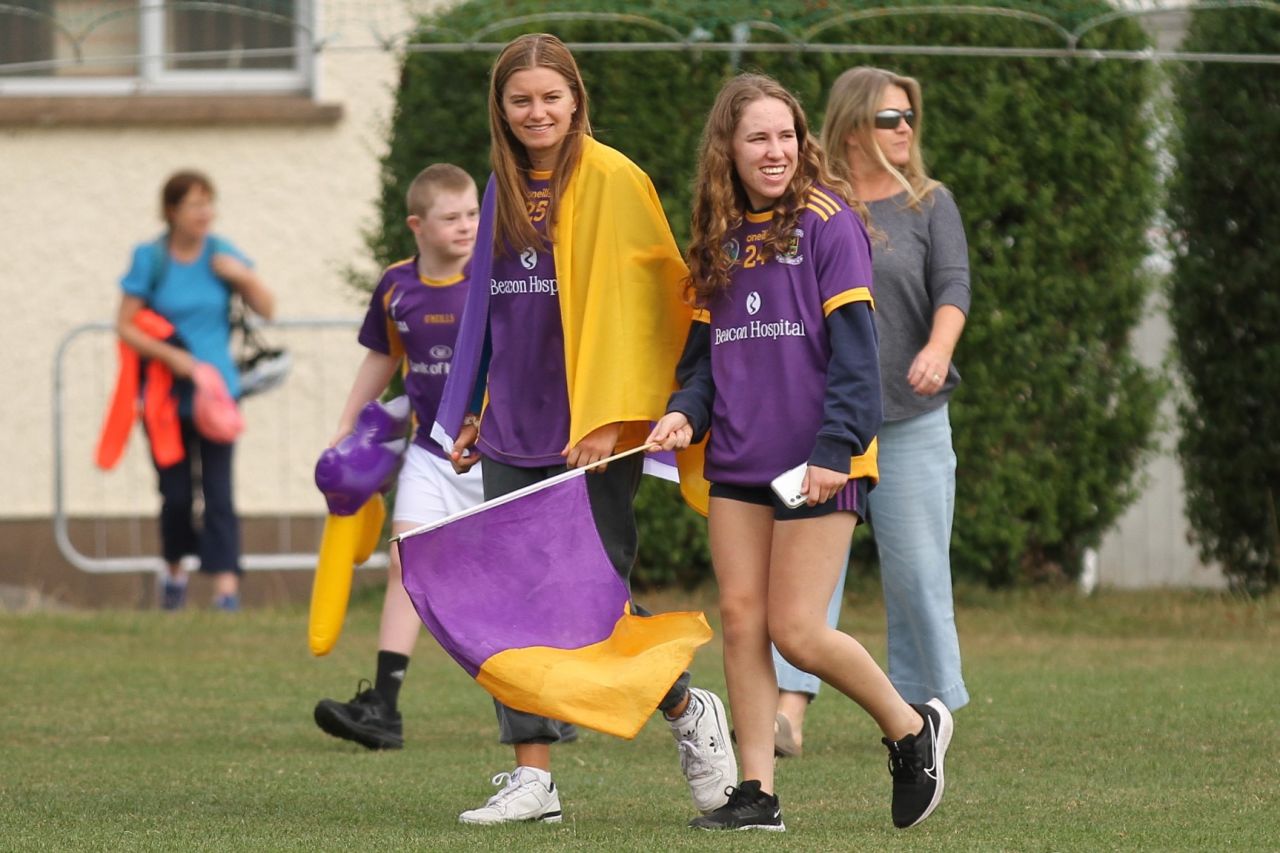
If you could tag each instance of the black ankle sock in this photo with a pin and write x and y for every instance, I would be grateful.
(391, 669)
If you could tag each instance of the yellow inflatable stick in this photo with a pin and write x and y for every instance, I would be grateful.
(348, 540)
(352, 475)
(374, 515)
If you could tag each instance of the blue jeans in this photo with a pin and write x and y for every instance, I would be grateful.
(911, 512)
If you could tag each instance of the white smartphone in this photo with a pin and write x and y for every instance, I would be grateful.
(787, 486)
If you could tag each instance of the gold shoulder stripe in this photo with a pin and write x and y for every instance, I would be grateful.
(701, 315)
(399, 264)
(822, 214)
(817, 196)
(853, 294)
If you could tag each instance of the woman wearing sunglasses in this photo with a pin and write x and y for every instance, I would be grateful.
(920, 273)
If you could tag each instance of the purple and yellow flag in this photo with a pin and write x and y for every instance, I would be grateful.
(520, 592)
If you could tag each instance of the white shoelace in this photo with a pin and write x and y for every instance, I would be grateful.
(510, 787)
(692, 761)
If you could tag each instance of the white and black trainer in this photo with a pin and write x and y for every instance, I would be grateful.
(706, 755)
(527, 794)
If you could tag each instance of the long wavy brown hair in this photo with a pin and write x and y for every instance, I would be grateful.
(852, 105)
(511, 165)
(719, 199)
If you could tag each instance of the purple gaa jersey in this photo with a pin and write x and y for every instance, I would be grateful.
(769, 344)
(526, 418)
(416, 318)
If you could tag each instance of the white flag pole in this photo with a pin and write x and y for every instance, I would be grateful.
(519, 493)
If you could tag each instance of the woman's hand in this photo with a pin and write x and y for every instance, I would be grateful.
(928, 371)
(464, 455)
(821, 484)
(672, 432)
(595, 445)
(244, 281)
(344, 430)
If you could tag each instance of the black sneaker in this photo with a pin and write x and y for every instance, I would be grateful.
(748, 808)
(915, 762)
(366, 719)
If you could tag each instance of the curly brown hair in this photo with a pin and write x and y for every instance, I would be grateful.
(719, 199)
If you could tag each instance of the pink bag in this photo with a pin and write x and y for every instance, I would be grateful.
(217, 416)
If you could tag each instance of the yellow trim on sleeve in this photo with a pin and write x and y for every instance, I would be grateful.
(393, 334)
(854, 294)
(701, 315)
(867, 465)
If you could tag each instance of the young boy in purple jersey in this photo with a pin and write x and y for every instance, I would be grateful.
(411, 326)
(782, 370)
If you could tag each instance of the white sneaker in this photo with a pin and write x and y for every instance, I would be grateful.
(706, 755)
(527, 794)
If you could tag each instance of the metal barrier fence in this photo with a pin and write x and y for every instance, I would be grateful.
(285, 429)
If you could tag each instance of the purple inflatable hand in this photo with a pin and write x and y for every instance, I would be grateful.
(366, 461)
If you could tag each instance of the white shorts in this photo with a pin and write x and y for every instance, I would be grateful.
(429, 489)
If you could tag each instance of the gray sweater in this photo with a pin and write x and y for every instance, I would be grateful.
(923, 264)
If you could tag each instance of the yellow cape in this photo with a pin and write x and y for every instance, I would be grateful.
(621, 280)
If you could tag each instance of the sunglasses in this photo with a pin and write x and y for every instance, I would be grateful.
(889, 119)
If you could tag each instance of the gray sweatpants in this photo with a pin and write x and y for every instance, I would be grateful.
(611, 494)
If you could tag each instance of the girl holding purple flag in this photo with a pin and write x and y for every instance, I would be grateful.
(564, 358)
(780, 268)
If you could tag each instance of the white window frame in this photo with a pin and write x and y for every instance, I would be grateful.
(153, 78)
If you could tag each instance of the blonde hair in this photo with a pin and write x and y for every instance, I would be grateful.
(436, 178)
(510, 160)
(852, 105)
(719, 199)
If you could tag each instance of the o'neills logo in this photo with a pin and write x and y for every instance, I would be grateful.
(532, 284)
(759, 329)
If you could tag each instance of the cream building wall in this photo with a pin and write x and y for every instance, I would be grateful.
(296, 199)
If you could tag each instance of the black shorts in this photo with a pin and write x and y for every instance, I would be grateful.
(852, 498)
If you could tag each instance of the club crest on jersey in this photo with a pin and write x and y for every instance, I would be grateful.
(792, 255)
(529, 258)
(753, 303)
(732, 249)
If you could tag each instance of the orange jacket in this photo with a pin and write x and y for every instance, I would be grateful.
(158, 405)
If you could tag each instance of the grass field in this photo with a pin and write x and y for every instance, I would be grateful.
(1124, 721)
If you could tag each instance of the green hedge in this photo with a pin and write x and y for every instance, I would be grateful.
(1224, 298)
(1049, 161)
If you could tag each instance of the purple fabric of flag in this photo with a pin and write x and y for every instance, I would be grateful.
(490, 582)
(469, 348)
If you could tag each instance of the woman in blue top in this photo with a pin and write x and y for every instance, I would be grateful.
(188, 276)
